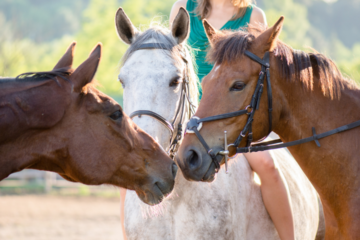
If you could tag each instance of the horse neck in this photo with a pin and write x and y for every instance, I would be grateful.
(301, 109)
(34, 105)
(33, 151)
(28, 113)
(12, 85)
(297, 111)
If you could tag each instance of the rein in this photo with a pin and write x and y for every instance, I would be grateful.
(195, 124)
(176, 137)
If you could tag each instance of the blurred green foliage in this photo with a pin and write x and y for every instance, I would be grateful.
(35, 33)
(43, 20)
(96, 24)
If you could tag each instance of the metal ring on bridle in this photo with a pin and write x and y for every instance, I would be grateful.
(247, 107)
(198, 124)
(231, 145)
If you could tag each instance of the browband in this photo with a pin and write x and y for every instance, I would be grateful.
(153, 46)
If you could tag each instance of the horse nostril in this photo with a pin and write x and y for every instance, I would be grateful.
(193, 159)
(174, 169)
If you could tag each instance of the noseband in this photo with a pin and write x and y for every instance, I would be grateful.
(176, 137)
(195, 123)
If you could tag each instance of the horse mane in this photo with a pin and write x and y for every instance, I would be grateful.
(160, 34)
(293, 65)
(40, 76)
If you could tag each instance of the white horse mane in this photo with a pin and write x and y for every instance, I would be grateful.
(163, 35)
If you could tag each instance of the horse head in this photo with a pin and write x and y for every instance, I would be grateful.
(230, 87)
(158, 77)
(84, 135)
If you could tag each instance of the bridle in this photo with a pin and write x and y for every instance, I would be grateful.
(176, 133)
(194, 125)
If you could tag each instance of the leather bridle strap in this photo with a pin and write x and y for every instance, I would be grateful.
(208, 149)
(154, 46)
(263, 62)
(223, 116)
(265, 69)
(275, 144)
(162, 120)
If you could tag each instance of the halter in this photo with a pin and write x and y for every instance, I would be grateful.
(194, 125)
(176, 137)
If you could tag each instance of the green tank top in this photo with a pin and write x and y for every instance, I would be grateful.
(198, 41)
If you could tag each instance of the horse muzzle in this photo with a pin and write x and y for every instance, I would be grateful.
(197, 165)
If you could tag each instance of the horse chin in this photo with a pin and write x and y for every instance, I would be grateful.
(153, 197)
(210, 174)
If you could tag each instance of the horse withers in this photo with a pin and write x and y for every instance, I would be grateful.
(309, 96)
(230, 207)
(58, 121)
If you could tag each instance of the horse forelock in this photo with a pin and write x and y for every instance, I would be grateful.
(160, 34)
(292, 64)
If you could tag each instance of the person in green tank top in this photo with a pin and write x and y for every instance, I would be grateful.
(237, 15)
(198, 41)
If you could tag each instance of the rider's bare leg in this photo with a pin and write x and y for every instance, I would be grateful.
(274, 192)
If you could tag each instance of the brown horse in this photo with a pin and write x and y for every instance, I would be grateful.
(58, 121)
(307, 91)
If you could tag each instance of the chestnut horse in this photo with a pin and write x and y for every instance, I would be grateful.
(58, 121)
(308, 91)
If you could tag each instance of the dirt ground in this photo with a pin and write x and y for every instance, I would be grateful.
(40, 217)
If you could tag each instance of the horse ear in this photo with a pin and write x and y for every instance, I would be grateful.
(210, 31)
(67, 59)
(181, 26)
(85, 73)
(125, 29)
(268, 39)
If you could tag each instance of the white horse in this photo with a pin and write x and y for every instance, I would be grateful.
(231, 207)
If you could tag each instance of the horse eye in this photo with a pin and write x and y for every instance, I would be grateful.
(116, 115)
(174, 82)
(237, 86)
